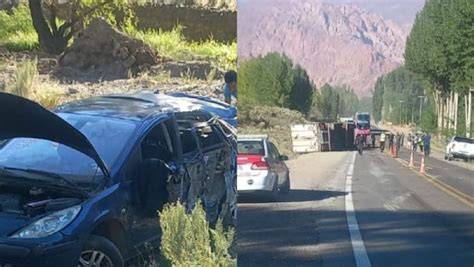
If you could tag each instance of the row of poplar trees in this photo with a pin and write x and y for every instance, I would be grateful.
(440, 50)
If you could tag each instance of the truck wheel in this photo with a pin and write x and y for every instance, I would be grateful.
(99, 251)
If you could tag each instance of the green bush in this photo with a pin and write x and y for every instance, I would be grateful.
(189, 241)
(172, 44)
(274, 80)
(16, 30)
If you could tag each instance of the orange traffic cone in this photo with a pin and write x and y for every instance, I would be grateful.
(422, 165)
(411, 160)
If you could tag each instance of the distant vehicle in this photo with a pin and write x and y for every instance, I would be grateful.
(346, 120)
(362, 123)
(460, 147)
(260, 167)
(81, 185)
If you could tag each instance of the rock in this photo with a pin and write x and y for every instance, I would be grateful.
(3, 51)
(72, 91)
(101, 52)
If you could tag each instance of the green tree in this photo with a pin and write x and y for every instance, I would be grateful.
(54, 35)
(396, 96)
(377, 99)
(273, 80)
(328, 102)
(440, 50)
(301, 92)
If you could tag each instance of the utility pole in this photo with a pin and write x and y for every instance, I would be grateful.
(421, 97)
(400, 112)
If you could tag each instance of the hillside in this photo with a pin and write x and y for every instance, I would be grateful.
(336, 44)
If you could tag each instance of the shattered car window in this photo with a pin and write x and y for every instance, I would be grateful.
(108, 136)
(250, 148)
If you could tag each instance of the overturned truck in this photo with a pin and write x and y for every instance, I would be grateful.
(86, 181)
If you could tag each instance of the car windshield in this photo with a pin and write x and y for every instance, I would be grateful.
(108, 136)
(250, 148)
(363, 117)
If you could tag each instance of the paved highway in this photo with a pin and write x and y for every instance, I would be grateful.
(351, 210)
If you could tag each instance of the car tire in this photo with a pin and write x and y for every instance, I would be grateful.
(274, 195)
(285, 187)
(100, 245)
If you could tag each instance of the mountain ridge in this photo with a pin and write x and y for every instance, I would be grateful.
(339, 44)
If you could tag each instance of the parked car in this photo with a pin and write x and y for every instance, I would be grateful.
(81, 186)
(260, 167)
(460, 147)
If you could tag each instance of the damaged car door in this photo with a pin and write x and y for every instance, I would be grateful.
(155, 164)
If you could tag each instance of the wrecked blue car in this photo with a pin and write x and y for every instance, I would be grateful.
(81, 186)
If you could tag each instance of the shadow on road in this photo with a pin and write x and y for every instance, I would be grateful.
(295, 195)
(278, 236)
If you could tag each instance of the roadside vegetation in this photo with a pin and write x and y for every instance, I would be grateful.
(16, 30)
(18, 34)
(173, 45)
(440, 53)
(188, 240)
(274, 94)
(430, 93)
(27, 84)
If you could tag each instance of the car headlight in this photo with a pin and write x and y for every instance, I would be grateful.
(49, 224)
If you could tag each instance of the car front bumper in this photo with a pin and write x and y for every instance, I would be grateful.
(462, 155)
(28, 253)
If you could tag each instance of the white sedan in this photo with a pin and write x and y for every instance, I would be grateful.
(460, 147)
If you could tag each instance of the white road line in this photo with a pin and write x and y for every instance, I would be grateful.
(358, 247)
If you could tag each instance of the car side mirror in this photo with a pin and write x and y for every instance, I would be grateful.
(284, 158)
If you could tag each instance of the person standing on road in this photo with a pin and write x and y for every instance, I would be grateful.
(390, 141)
(360, 143)
(396, 143)
(382, 141)
(420, 142)
(415, 142)
(230, 87)
(427, 144)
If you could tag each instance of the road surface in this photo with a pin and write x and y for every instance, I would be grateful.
(396, 217)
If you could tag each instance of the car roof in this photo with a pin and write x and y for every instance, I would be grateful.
(135, 106)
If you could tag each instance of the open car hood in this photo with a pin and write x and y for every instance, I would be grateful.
(20, 117)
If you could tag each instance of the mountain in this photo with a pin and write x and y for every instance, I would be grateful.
(400, 11)
(339, 44)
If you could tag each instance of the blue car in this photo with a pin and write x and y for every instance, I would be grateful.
(81, 186)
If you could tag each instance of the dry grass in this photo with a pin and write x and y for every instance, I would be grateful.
(27, 84)
(273, 121)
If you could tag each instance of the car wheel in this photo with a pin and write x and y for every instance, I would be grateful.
(101, 252)
(275, 193)
(285, 188)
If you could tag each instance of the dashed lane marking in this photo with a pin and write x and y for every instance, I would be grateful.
(358, 247)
